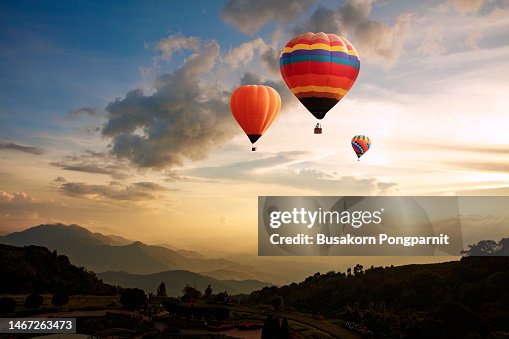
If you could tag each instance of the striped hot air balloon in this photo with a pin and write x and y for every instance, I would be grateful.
(360, 144)
(319, 69)
(255, 107)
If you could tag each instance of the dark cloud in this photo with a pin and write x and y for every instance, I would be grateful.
(94, 162)
(250, 16)
(26, 149)
(114, 191)
(322, 20)
(271, 60)
(374, 40)
(83, 111)
(182, 118)
(60, 179)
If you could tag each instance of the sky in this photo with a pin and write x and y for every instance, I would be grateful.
(115, 115)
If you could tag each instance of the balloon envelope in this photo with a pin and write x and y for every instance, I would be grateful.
(360, 144)
(319, 69)
(255, 107)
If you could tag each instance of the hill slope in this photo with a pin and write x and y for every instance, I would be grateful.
(35, 269)
(467, 298)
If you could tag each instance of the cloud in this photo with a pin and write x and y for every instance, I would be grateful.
(175, 43)
(59, 179)
(83, 111)
(432, 44)
(487, 150)
(376, 41)
(466, 6)
(26, 149)
(284, 169)
(183, 118)
(114, 191)
(250, 16)
(20, 198)
(245, 53)
(502, 167)
(94, 162)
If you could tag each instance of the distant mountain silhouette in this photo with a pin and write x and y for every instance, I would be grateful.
(57, 235)
(34, 269)
(177, 280)
(101, 253)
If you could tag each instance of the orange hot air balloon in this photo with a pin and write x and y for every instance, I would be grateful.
(255, 107)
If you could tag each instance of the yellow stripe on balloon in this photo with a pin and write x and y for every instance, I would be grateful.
(320, 46)
(328, 89)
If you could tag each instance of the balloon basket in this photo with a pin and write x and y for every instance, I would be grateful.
(318, 130)
(253, 149)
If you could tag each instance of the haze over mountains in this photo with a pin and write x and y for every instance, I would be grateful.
(176, 280)
(104, 253)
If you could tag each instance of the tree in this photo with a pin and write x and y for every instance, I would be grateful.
(285, 330)
(277, 302)
(60, 299)
(33, 301)
(276, 328)
(267, 330)
(133, 298)
(191, 293)
(349, 271)
(221, 297)
(358, 269)
(208, 292)
(7, 305)
(161, 290)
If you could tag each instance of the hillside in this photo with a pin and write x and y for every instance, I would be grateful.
(35, 269)
(88, 249)
(468, 298)
(176, 280)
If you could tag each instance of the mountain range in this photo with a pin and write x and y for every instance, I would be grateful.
(125, 262)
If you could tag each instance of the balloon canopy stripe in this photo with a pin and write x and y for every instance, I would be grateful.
(315, 67)
(320, 58)
(335, 96)
(300, 52)
(304, 47)
(320, 80)
(319, 89)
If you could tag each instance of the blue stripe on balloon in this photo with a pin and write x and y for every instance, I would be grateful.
(359, 148)
(320, 58)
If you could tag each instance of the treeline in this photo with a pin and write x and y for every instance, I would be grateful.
(34, 269)
(466, 298)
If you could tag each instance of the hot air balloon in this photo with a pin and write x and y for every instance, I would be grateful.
(255, 107)
(360, 144)
(319, 69)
